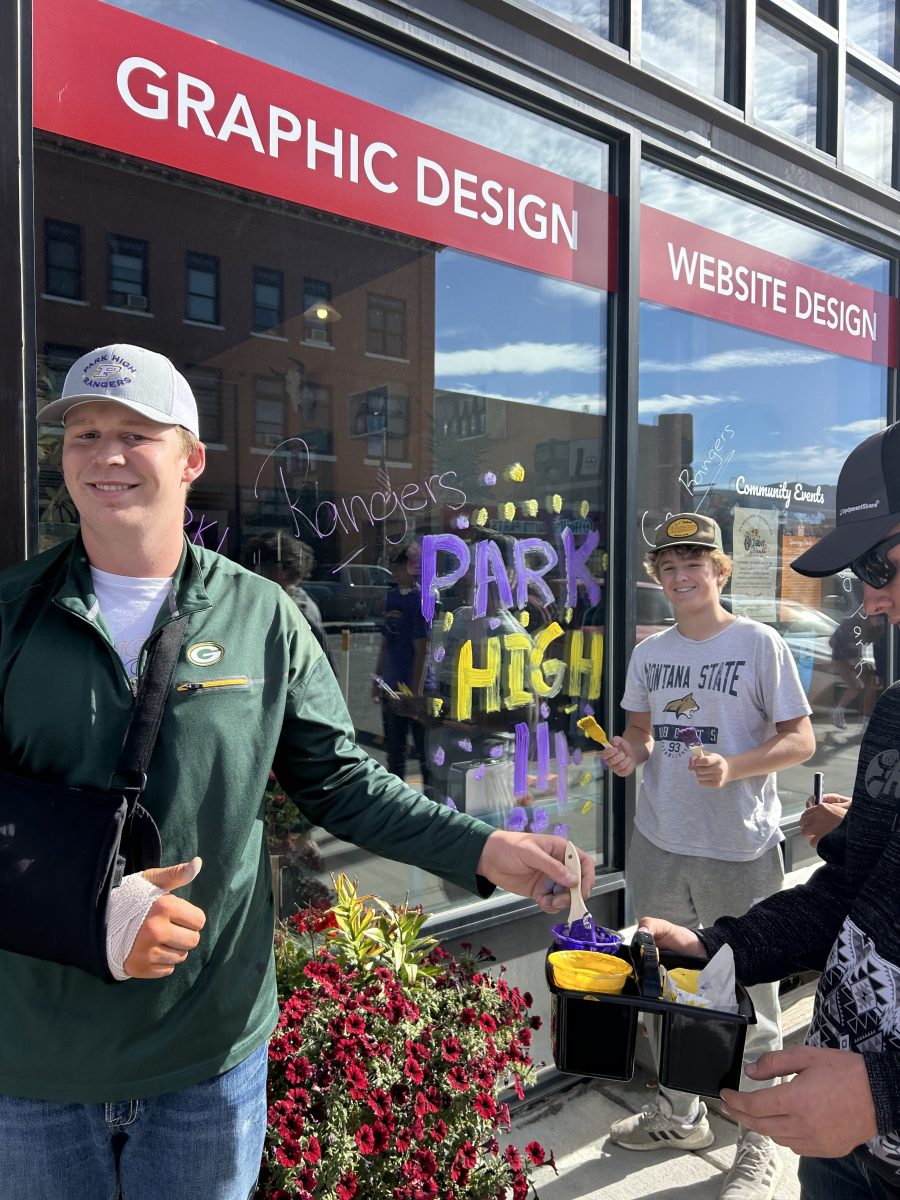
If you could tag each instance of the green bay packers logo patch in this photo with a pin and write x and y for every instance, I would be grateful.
(205, 654)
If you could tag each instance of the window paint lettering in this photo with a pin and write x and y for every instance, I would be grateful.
(711, 465)
(198, 537)
(357, 512)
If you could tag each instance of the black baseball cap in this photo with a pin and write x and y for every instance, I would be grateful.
(868, 505)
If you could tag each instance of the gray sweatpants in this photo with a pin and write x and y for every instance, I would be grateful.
(695, 891)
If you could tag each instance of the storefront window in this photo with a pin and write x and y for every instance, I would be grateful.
(872, 25)
(415, 417)
(786, 83)
(592, 15)
(752, 428)
(687, 38)
(869, 120)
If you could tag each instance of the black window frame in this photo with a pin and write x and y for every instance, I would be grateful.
(381, 335)
(63, 233)
(264, 389)
(267, 277)
(137, 248)
(207, 264)
(826, 81)
(207, 384)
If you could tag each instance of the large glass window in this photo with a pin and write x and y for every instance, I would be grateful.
(461, 417)
(786, 83)
(870, 118)
(596, 16)
(687, 38)
(752, 429)
(872, 25)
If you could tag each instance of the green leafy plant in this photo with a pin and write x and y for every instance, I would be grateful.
(388, 1064)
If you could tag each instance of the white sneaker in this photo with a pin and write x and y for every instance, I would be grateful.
(756, 1171)
(838, 717)
(655, 1128)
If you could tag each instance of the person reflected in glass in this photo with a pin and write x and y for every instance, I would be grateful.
(287, 560)
(398, 684)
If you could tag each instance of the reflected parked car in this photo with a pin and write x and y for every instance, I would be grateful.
(808, 633)
(352, 593)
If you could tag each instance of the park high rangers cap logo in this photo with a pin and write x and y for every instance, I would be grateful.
(205, 654)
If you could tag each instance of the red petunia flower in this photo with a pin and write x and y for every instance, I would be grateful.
(535, 1152)
(346, 1186)
(365, 1139)
(485, 1105)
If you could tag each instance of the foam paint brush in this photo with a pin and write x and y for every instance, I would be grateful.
(580, 924)
(591, 729)
(690, 737)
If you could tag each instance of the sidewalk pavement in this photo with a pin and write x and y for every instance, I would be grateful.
(574, 1125)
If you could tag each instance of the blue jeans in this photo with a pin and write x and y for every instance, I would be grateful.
(203, 1141)
(845, 1178)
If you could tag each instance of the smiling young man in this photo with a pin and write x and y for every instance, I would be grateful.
(154, 1088)
(706, 836)
(841, 1109)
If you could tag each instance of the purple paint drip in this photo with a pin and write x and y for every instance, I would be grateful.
(520, 768)
(543, 755)
(562, 764)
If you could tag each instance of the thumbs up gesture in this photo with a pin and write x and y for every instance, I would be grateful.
(171, 928)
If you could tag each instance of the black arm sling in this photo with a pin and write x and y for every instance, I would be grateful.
(63, 850)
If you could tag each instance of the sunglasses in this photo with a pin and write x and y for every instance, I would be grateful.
(874, 567)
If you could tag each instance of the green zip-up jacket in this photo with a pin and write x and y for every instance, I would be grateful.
(66, 699)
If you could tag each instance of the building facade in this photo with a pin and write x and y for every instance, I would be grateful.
(498, 283)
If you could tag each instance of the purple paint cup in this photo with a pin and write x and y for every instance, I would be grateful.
(606, 942)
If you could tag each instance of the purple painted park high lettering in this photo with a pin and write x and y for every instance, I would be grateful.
(490, 570)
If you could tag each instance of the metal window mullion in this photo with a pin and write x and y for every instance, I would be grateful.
(622, 467)
(840, 82)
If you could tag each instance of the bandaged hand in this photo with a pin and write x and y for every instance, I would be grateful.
(149, 930)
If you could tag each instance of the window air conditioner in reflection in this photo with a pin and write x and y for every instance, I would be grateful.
(269, 439)
(134, 301)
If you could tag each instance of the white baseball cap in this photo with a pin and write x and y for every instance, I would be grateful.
(140, 379)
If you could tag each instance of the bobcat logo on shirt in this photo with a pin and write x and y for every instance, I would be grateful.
(684, 706)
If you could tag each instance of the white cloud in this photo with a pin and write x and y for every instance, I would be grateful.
(731, 360)
(673, 193)
(519, 358)
(862, 429)
(666, 403)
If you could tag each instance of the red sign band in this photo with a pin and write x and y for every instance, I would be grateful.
(160, 94)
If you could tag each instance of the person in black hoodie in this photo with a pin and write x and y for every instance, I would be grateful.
(841, 1109)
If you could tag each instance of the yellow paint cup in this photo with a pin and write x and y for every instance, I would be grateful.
(589, 971)
(685, 978)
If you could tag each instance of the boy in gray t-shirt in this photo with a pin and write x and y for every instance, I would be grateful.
(715, 709)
